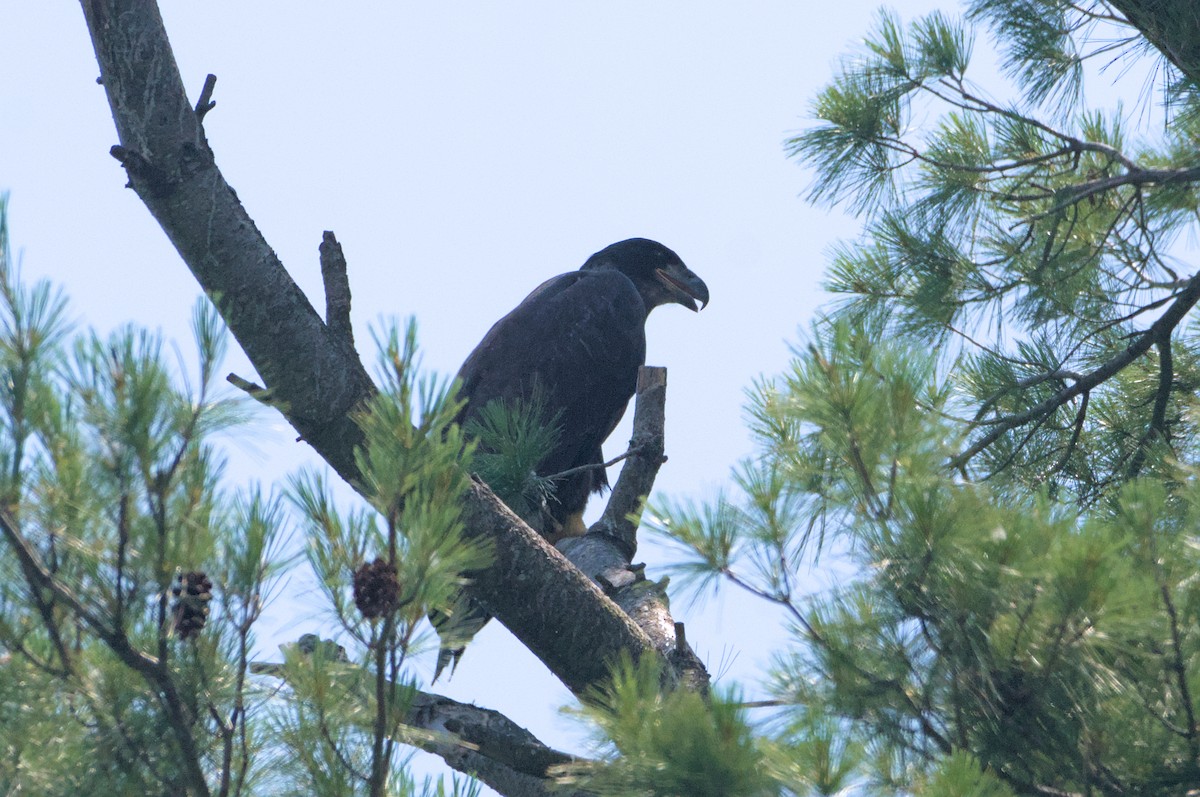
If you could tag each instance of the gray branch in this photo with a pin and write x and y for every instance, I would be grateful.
(477, 741)
(606, 552)
(310, 374)
(337, 290)
(623, 513)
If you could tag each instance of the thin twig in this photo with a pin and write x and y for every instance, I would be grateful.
(890, 684)
(767, 703)
(251, 389)
(1157, 430)
(633, 451)
(1076, 431)
(1023, 384)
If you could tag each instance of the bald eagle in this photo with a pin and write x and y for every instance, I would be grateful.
(574, 347)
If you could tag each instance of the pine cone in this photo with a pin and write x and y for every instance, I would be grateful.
(376, 589)
(192, 592)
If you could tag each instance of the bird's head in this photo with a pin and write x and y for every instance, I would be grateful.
(657, 272)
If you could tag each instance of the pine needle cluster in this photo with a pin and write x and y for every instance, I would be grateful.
(132, 579)
(1034, 241)
(992, 432)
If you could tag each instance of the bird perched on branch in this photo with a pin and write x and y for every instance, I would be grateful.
(571, 350)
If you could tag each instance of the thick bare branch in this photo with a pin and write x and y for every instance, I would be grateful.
(621, 516)
(171, 168)
(529, 587)
(490, 746)
(337, 290)
(311, 375)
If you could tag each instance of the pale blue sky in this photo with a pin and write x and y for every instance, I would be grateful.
(463, 153)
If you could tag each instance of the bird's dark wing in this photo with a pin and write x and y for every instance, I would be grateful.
(580, 338)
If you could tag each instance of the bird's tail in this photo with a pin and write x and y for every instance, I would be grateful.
(455, 629)
(446, 656)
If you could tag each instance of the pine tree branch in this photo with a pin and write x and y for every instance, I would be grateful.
(311, 376)
(974, 102)
(1179, 670)
(1135, 176)
(206, 102)
(152, 670)
(893, 686)
(632, 451)
(1157, 430)
(477, 741)
(621, 517)
(1076, 431)
(494, 748)
(1033, 789)
(606, 552)
(578, 650)
(1167, 322)
(337, 290)
(171, 167)
(1024, 384)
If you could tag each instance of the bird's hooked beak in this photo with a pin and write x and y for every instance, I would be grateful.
(684, 286)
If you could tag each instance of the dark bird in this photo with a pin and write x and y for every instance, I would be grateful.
(573, 348)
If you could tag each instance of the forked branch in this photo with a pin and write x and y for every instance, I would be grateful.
(1087, 382)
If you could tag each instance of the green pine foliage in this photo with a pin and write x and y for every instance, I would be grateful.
(346, 722)
(511, 439)
(112, 493)
(656, 744)
(1032, 240)
(132, 578)
(1008, 644)
(992, 431)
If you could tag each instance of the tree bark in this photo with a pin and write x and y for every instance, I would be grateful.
(1172, 26)
(171, 167)
(310, 369)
